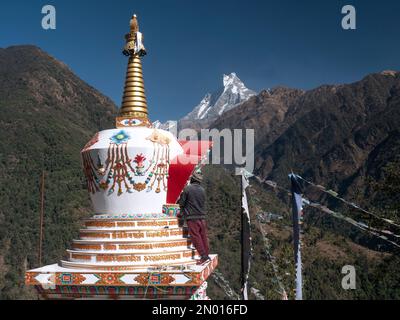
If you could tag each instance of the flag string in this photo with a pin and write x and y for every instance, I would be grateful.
(224, 285)
(299, 200)
(360, 225)
(335, 195)
(272, 260)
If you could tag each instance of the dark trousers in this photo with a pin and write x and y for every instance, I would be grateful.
(198, 234)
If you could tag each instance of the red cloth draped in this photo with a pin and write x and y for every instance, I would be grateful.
(182, 166)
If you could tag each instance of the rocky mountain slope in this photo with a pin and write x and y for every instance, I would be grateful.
(328, 245)
(333, 134)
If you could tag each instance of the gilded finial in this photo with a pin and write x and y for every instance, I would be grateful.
(134, 24)
(134, 40)
(133, 110)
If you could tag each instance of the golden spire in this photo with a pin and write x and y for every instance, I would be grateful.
(133, 110)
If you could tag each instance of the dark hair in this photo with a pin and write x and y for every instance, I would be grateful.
(194, 180)
(196, 177)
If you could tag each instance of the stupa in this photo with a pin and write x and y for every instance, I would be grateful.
(134, 246)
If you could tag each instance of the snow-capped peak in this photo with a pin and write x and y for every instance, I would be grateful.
(204, 106)
(213, 105)
(230, 79)
(168, 125)
(233, 84)
(230, 95)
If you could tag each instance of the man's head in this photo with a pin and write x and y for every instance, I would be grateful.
(197, 177)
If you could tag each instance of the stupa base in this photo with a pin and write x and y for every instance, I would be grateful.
(166, 282)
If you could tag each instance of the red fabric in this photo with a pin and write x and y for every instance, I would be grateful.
(179, 174)
(181, 167)
(195, 148)
(198, 235)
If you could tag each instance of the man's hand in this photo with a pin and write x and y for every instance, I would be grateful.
(180, 218)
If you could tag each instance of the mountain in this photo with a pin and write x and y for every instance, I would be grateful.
(327, 246)
(215, 104)
(266, 113)
(345, 137)
(339, 134)
(168, 125)
(47, 114)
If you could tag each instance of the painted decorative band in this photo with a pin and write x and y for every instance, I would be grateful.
(100, 258)
(142, 291)
(171, 210)
(84, 234)
(134, 246)
(125, 224)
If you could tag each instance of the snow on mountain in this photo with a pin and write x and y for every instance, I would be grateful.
(213, 105)
(204, 106)
(168, 125)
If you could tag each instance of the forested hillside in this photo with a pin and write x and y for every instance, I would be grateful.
(328, 244)
(47, 114)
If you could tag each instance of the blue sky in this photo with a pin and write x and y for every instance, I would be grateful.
(192, 43)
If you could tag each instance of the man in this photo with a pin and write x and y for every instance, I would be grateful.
(192, 204)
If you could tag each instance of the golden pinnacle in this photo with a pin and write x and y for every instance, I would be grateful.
(133, 110)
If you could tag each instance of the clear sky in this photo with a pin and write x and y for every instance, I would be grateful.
(190, 44)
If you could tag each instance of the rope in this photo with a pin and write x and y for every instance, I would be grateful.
(157, 271)
(356, 224)
(257, 293)
(273, 185)
(224, 285)
(246, 222)
(272, 259)
(335, 195)
(362, 226)
(148, 285)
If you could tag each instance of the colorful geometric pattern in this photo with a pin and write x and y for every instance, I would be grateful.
(201, 293)
(69, 278)
(194, 276)
(109, 279)
(148, 292)
(132, 216)
(171, 210)
(132, 246)
(154, 279)
(93, 223)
